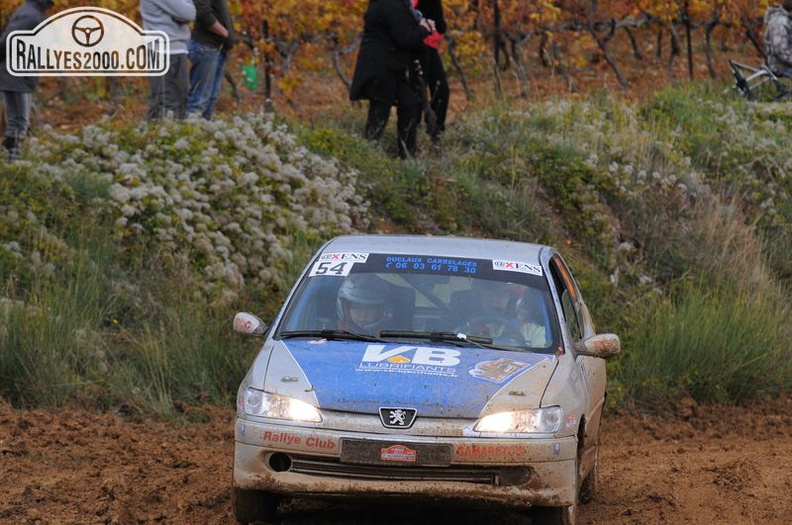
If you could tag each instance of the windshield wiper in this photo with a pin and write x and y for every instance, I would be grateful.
(330, 334)
(437, 337)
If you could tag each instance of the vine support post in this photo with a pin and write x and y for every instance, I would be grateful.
(267, 64)
(688, 36)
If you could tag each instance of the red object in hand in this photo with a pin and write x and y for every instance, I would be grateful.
(433, 40)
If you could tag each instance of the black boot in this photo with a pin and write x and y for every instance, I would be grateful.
(436, 147)
(11, 144)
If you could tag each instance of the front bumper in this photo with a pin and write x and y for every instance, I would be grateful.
(299, 461)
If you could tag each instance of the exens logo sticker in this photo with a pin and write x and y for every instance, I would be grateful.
(513, 266)
(410, 360)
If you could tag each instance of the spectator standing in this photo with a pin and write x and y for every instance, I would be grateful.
(432, 67)
(778, 38)
(169, 91)
(212, 39)
(18, 91)
(391, 35)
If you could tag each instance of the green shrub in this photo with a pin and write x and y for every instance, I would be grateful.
(710, 341)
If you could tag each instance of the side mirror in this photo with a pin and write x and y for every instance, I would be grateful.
(249, 324)
(603, 346)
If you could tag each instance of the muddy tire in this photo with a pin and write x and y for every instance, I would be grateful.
(254, 506)
(554, 515)
(588, 489)
(559, 515)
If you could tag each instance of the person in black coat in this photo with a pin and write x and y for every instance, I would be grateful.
(392, 33)
(18, 91)
(432, 68)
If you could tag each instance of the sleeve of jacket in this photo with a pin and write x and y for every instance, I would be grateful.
(180, 10)
(403, 26)
(23, 20)
(203, 13)
(439, 17)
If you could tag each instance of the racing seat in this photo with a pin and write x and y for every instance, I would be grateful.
(462, 306)
(321, 313)
(402, 300)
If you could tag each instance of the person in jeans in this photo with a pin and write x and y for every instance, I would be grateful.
(212, 38)
(169, 92)
(18, 91)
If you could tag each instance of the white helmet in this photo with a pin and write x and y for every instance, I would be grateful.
(368, 292)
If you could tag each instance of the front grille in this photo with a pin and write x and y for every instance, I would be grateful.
(487, 476)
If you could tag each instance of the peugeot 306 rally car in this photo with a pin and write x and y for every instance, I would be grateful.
(433, 368)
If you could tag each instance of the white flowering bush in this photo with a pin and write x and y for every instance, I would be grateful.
(131, 244)
(229, 195)
(30, 213)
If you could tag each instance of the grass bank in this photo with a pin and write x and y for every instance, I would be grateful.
(126, 250)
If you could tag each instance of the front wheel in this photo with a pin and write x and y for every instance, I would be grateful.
(559, 515)
(589, 487)
(554, 515)
(254, 505)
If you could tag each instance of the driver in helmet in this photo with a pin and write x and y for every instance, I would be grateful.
(362, 304)
(507, 312)
(530, 309)
(495, 297)
(493, 309)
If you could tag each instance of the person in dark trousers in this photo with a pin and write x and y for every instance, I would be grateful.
(433, 71)
(212, 38)
(18, 91)
(169, 91)
(391, 35)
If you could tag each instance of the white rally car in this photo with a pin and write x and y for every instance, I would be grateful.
(434, 368)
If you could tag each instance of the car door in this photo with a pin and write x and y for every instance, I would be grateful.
(591, 369)
(575, 317)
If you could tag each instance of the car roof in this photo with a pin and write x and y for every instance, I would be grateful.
(439, 246)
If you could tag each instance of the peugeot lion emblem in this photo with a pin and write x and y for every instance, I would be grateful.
(397, 417)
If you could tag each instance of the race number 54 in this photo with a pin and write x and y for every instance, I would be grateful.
(333, 268)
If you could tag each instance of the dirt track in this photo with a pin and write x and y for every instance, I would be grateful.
(711, 466)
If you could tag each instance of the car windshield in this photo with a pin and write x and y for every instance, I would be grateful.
(402, 298)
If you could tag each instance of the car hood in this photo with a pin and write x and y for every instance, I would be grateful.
(437, 380)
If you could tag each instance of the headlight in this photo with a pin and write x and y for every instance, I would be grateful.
(540, 420)
(260, 403)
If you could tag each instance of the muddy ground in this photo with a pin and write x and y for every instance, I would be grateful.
(710, 465)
